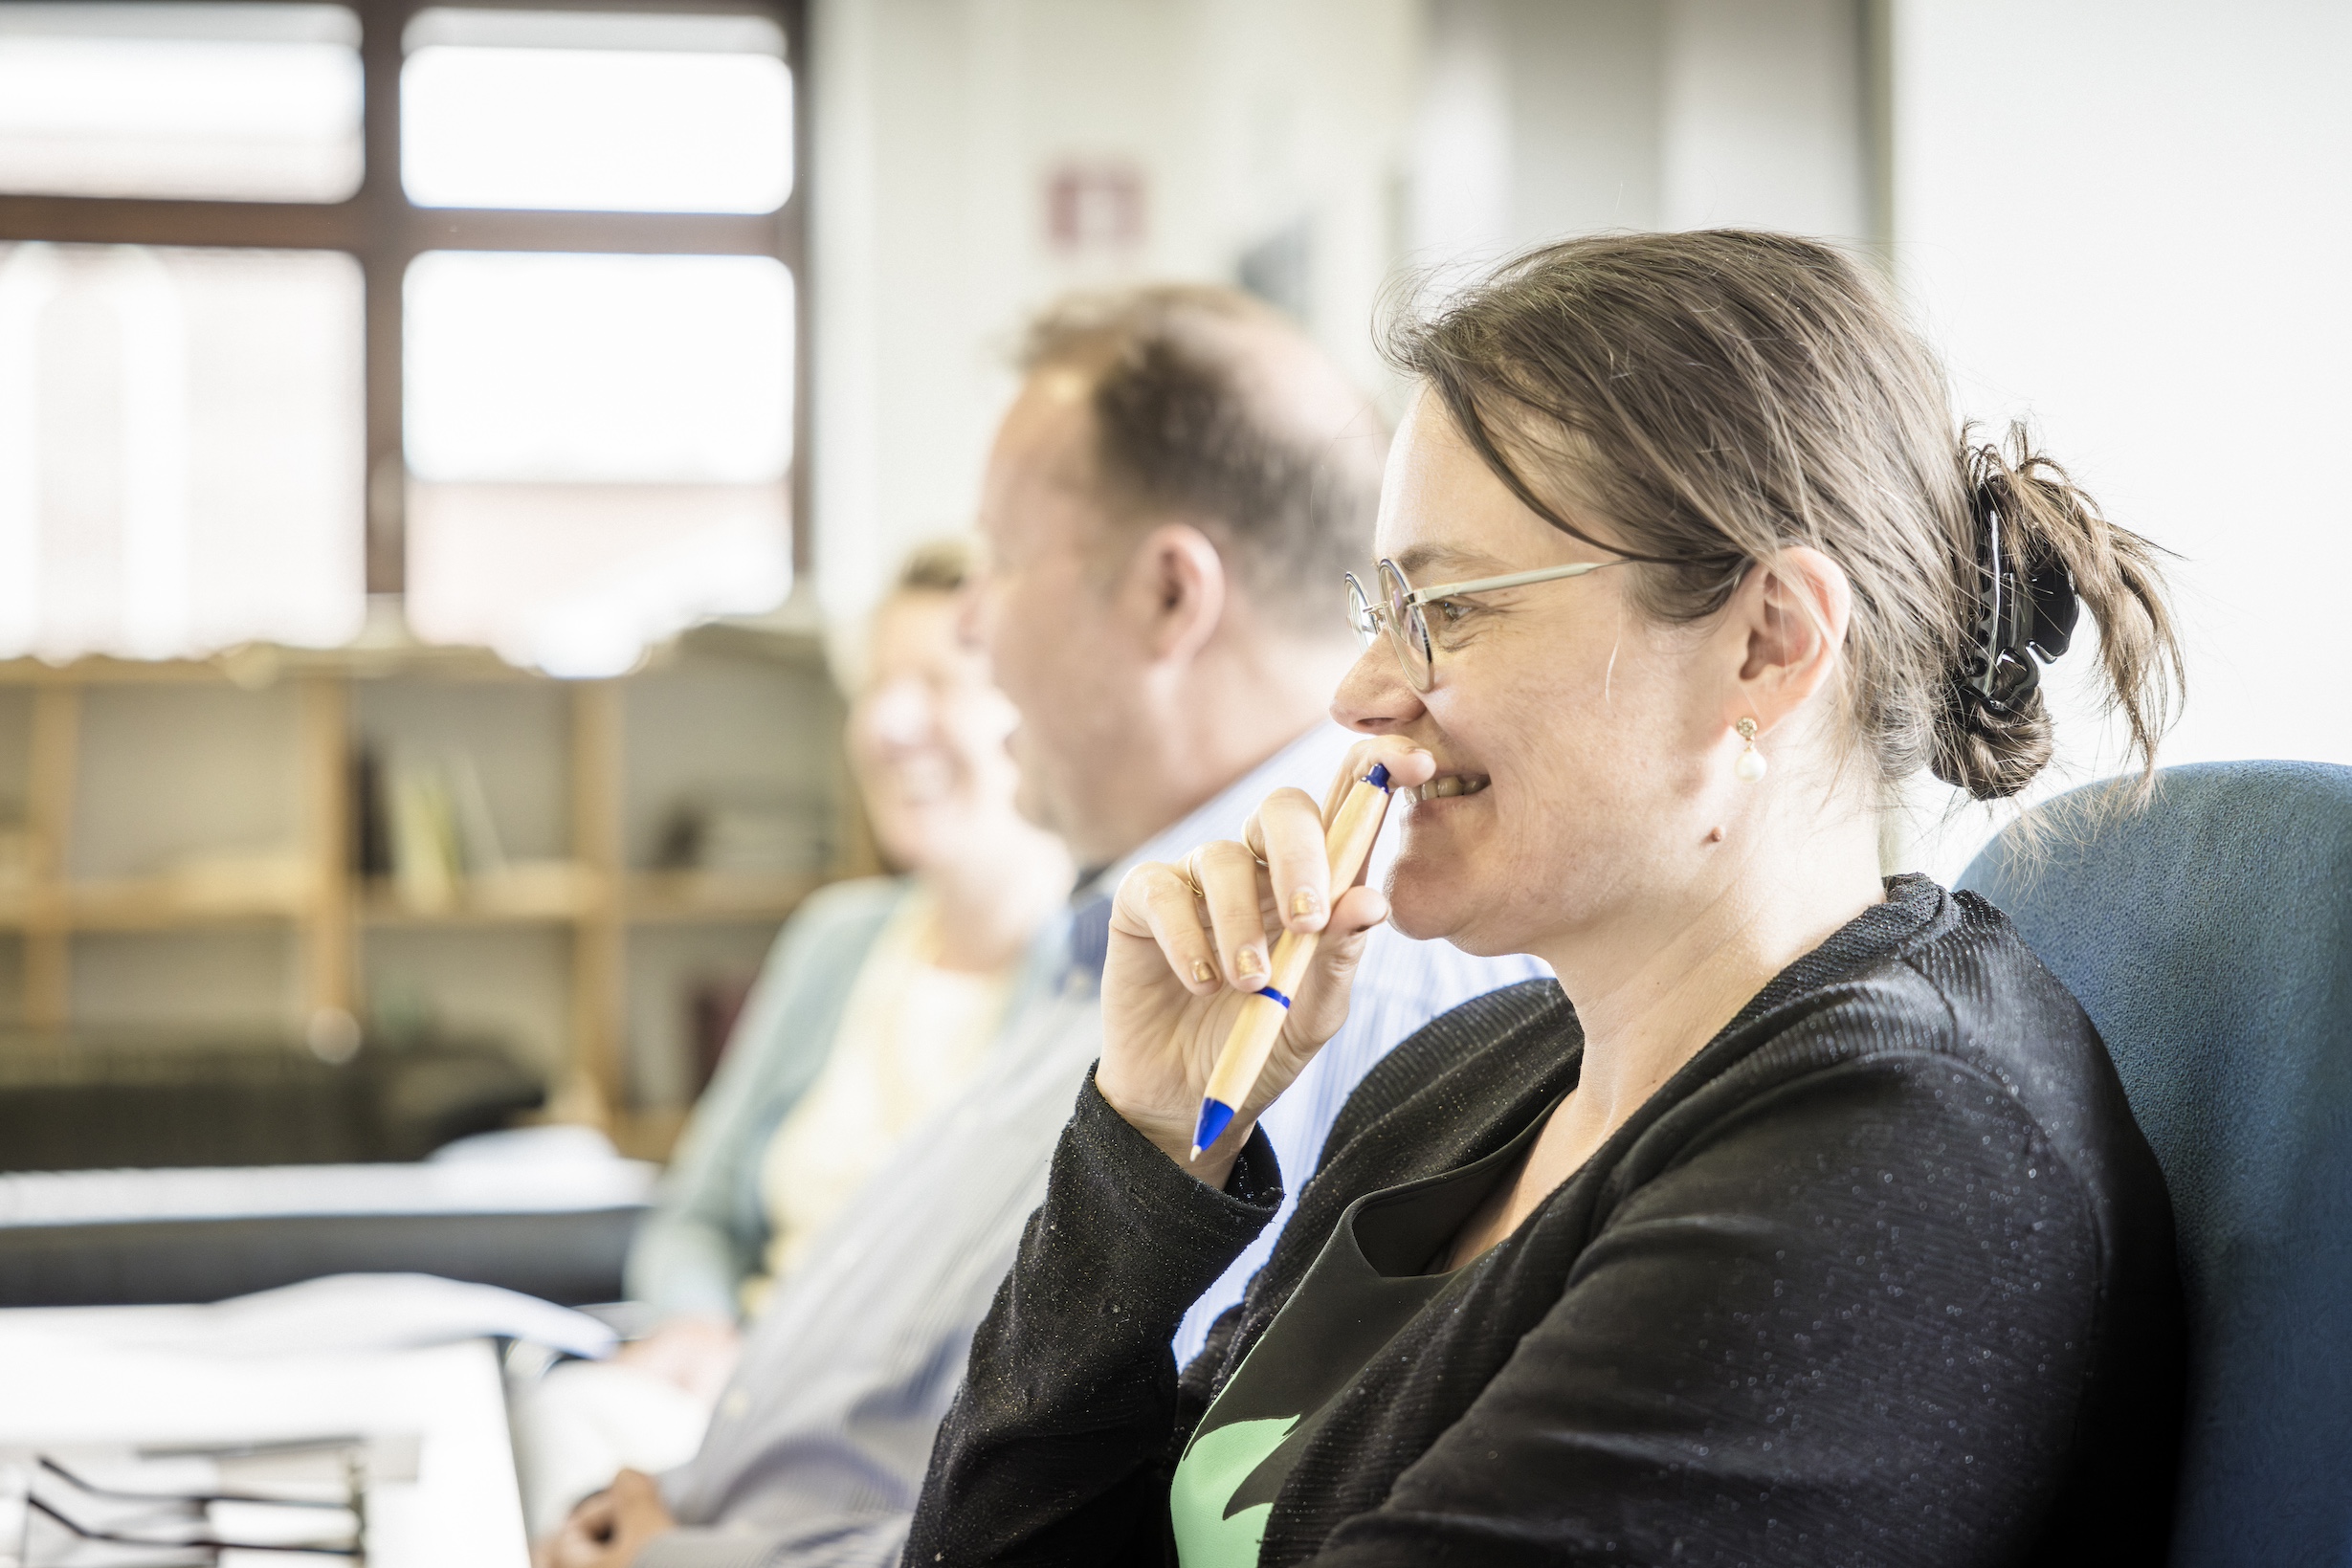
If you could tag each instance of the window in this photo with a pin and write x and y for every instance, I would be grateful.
(251, 103)
(182, 444)
(598, 446)
(632, 114)
(503, 321)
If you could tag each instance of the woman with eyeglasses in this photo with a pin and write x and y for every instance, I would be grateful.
(1803, 1221)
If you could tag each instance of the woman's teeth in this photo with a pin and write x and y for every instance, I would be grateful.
(923, 778)
(1450, 783)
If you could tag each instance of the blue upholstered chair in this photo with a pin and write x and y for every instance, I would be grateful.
(2210, 939)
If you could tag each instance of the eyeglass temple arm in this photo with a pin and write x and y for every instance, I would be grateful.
(197, 1543)
(120, 1496)
(1513, 580)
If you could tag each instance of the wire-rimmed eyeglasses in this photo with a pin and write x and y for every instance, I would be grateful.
(304, 1498)
(1399, 610)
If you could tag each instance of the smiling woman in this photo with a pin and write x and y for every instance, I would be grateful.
(1802, 1220)
(878, 1005)
(879, 996)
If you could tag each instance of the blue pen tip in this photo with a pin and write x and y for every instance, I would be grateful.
(1216, 1117)
(1378, 778)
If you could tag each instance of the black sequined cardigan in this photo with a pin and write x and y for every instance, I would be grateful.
(1883, 1275)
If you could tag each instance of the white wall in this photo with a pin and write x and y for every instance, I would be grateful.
(937, 123)
(1396, 131)
(2129, 220)
(1542, 118)
(1763, 117)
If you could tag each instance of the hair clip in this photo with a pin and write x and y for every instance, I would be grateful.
(2024, 609)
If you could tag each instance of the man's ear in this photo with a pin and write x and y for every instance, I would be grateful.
(1175, 584)
(1787, 624)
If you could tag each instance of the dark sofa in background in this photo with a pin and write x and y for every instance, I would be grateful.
(103, 1103)
(148, 1172)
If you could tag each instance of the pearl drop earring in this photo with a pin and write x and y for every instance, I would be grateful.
(1751, 766)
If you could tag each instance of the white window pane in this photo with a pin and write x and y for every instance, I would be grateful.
(181, 450)
(255, 102)
(580, 579)
(614, 368)
(588, 112)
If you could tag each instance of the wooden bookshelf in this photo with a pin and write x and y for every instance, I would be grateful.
(591, 891)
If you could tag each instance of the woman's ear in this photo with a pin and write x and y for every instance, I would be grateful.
(1789, 616)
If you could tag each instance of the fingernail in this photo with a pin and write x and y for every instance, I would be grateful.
(1250, 962)
(1202, 973)
(1304, 904)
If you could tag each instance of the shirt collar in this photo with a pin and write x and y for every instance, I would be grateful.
(1308, 762)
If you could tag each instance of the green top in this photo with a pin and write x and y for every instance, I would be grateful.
(1367, 1283)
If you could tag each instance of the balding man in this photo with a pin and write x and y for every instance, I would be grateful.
(1168, 507)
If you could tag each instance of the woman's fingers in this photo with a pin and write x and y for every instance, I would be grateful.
(1329, 979)
(1288, 831)
(1320, 1007)
(1155, 900)
(1283, 868)
(1354, 913)
(1409, 768)
(1229, 879)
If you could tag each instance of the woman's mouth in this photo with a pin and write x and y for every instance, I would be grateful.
(1447, 785)
(922, 778)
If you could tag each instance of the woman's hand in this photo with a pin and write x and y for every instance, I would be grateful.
(608, 1530)
(1182, 964)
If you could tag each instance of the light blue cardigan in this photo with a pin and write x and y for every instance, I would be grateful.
(709, 1228)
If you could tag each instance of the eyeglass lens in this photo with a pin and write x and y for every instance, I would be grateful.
(1360, 612)
(1408, 631)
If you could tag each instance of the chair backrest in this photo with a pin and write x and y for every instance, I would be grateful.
(2209, 937)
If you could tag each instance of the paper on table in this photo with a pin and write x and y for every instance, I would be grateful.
(333, 1314)
(457, 1185)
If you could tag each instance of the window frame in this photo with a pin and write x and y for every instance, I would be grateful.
(383, 230)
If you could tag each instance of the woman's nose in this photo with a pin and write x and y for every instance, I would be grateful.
(899, 714)
(1374, 697)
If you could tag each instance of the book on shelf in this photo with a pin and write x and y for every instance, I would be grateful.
(439, 831)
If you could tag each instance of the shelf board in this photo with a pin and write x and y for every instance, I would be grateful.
(680, 897)
(554, 893)
(258, 665)
(163, 903)
(648, 897)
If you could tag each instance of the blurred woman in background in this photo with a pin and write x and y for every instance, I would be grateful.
(876, 1002)
(880, 995)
